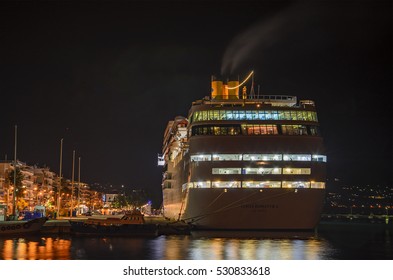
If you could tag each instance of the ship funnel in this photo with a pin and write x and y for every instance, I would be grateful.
(233, 90)
(225, 91)
(217, 90)
(229, 90)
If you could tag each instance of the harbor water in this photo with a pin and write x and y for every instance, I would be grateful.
(328, 242)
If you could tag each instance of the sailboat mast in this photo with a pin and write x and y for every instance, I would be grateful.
(14, 191)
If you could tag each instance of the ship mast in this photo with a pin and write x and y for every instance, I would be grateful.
(14, 190)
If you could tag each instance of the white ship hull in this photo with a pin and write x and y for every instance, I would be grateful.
(251, 209)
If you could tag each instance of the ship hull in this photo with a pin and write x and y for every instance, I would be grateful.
(253, 209)
(22, 227)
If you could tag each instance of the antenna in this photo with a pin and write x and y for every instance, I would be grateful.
(252, 93)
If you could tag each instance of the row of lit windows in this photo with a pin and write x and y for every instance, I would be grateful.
(220, 115)
(258, 157)
(254, 129)
(256, 184)
(262, 171)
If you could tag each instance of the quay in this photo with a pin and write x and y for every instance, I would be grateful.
(164, 227)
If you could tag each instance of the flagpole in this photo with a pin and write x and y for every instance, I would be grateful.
(79, 184)
(14, 191)
(72, 182)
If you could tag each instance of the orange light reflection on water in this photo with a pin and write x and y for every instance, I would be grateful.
(40, 248)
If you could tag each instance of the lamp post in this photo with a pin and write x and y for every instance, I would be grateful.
(59, 190)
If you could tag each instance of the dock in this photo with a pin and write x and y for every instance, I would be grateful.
(164, 227)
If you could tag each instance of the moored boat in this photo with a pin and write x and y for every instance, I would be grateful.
(22, 227)
(130, 224)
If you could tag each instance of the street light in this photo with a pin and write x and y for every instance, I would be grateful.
(61, 160)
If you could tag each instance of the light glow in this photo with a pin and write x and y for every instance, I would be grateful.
(245, 80)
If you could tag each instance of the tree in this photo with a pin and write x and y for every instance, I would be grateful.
(119, 201)
(137, 198)
(19, 178)
(21, 204)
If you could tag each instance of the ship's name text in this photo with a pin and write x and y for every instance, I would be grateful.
(259, 206)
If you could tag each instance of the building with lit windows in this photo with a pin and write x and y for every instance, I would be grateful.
(244, 161)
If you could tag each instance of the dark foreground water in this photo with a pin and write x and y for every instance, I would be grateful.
(334, 242)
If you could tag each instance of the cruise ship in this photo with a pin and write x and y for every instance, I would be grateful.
(244, 161)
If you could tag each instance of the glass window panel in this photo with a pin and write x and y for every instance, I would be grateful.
(261, 184)
(205, 116)
(317, 185)
(261, 171)
(297, 171)
(269, 115)
(293, 115)
(235, 115)
(226, 157)
(321, 158)
(295, 184)
(226, 170)
(254, 115)
(201, 184)
(265, 157)
(222, 115)
(201, 157)
(226, 184)
(297, 157)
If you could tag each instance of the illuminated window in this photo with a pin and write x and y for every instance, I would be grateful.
(321, 158)
(215, 130)
(317, 185)
(296, 157)
(226, 184)
(215, 115)
(226, 170)
(296, 184)
(225, 157)
(201, 158)
(261, 171)
(259, 129)
(201, 184)
(264, 157)
(294, 130)
(297, 171)
(261, 184)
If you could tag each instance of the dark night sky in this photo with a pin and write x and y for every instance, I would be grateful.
(107, 76)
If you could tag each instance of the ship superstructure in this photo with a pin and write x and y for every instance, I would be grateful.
(241, 160)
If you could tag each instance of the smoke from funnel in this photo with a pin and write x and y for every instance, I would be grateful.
(259, 37)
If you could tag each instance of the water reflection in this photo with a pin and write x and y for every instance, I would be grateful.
(35, 248)
(202, 246)
(332, 244)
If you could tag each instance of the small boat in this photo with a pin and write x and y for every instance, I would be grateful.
(130, 224)
(22, 227)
